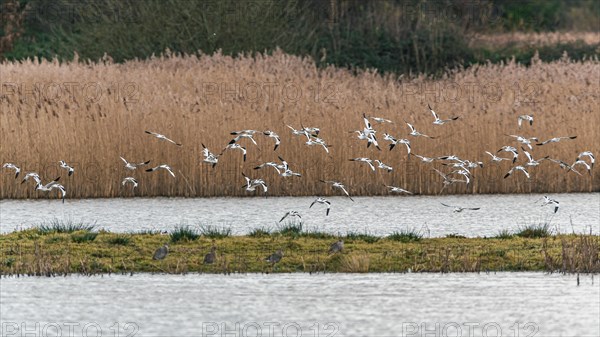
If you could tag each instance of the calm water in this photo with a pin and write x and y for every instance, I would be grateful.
(337, 304)
(375, 215)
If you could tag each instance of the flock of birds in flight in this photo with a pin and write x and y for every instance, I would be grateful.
(461, 168)
(461, 172)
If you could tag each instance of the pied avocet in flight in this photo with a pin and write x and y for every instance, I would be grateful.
(424, 159)
(338, 185)
(12, 167)
(67, 167)
(133, 166)
(381, 120)
(564, 165)
(531, 161)
(162, 167)
(528, 118)
(53, 185)
(275, 136)
(365, 160)
(383, 166)
(252, 184)
(414, 132)
(322, 201)
(209, 157)
(458, 209)
(395, 189)
(512, 150)
(291, 214)
(236, 146)
(583, 163)
(249, 134)
(524, 141)
(439, 121)
(313, 140)
(555, 140)
(547, 201)
(130, 180)
(495, 158)
(517, 168)
(588, 154)
(162, 137)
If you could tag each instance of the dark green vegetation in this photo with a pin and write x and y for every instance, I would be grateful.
(37, 252)
(419, 36)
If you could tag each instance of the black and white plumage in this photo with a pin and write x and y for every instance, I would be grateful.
(64, 165)
(322, 201)
(161, 252)
(162, 167)
(338, 185)
(424, 159)
(248, 134)
(13, 167)
(162, 137)
(300, 132)
(381, 120)
(336, 247)
(291, 214)
(252, 184)
(393, 142)
(133, 166)
(365, 160)
(563, 165)
(272, 164)
(34, 176)
(458, 209)
(395, 189)
(234, 147)
(555, 140)
(524, 140)
(415, 133)
(517, 168)
(130, 180)
(584, 164)
(531, 161)
(512, 150)
(495, 158)
(448, 180)
(210, 157)
(370, 139)
(588, 154)
(528, 118)
(451, 157)
(383, 166)
(51, 186)
(439, 121)
(287, 172)
(313, 140)
(273, 135)
(548, 201)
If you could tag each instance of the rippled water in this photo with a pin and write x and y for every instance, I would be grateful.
(375, 215)
(347, 304)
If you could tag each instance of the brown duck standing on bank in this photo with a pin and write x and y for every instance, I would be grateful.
(275, 257)
(161, 252)
(211, 257)
(337, 246)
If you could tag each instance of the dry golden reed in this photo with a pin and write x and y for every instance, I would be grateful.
(90, 113)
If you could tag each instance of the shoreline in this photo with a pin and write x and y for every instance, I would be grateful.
(37, 253)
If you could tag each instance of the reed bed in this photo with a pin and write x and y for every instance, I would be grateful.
(90, 113)
(535, 39)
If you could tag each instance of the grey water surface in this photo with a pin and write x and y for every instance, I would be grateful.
(578, 212)
(495, 304)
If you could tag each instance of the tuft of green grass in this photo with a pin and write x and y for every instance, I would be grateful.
(541, 230)
(84, 236)
(317, 235)
(365, 237)
(406, 235)
(60, 226)
(259, 232)
(148, 232)
(215, 232)
(504, 234)
(290, 229)
(120, 240)
(184, 233)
